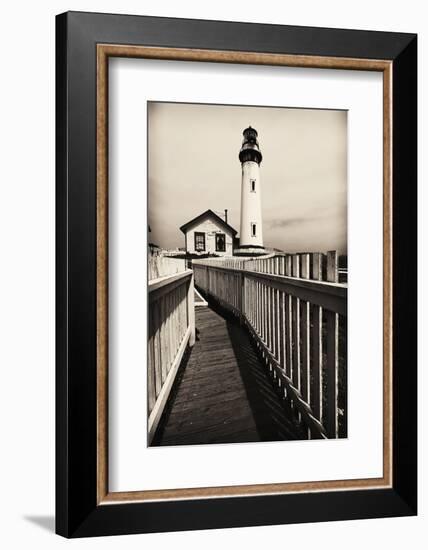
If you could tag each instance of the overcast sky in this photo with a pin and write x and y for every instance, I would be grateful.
(194, 165)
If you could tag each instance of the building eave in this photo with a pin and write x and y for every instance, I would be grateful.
(207, 214)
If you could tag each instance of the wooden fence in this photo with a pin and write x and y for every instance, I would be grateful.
(295, 309)
(160, 266)
(171, 330)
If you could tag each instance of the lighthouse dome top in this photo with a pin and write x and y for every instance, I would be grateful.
(250, 150)
(250, 133)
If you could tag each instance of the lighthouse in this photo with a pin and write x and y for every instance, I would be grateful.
(251, 234)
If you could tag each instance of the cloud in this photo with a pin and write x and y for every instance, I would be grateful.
(280, 223)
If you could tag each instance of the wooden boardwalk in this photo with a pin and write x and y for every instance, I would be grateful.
(223, 394)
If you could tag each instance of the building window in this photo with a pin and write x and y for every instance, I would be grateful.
(253, 186)
(253, 230)
(220, 242)
(199, 242)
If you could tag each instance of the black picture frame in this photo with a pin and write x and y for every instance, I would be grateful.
(77, 512)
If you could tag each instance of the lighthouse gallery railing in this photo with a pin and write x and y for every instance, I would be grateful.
(296, 311)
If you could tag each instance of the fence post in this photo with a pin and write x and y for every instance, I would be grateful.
(332, 326)
(191, 310)
(305, 324)
(243, 306)
(317, 344)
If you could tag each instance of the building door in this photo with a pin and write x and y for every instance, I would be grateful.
(220, 242)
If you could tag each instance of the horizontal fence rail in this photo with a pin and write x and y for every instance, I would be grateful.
(171, 330)
(295, 309)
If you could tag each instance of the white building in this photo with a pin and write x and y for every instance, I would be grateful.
(209, 234)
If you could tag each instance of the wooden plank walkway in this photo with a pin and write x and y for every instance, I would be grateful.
(223, 394)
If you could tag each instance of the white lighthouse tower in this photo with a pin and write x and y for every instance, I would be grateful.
(251, 234)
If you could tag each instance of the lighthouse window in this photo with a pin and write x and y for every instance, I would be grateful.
(253, 229)
(220, 242)
(199, 242)
(253, 186)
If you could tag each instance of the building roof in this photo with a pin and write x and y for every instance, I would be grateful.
(208, 214)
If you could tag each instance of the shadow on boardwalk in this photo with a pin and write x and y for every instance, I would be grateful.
(223, 393)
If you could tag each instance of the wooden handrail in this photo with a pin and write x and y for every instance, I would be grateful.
(331, 296)
(155, 284)
(294, 317)
(171, 330)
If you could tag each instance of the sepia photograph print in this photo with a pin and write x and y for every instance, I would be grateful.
(247, 274)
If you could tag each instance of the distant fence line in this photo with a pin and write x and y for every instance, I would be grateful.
(160, 266)
(295, 309)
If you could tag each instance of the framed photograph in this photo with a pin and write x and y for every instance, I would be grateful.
(236, 274)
